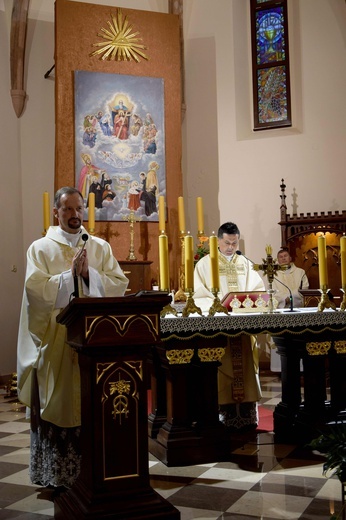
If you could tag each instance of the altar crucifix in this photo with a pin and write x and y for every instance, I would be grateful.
(131, 219)
(269, 267)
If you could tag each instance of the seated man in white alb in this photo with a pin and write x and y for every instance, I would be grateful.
(293, 277)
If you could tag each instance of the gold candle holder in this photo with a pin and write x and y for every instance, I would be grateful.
(180, 295)
(190, 307)
(131, 218)
(343, 303)
(325, 302)
(168, 309)
(216, 305)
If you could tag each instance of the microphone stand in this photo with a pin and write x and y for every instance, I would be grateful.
(75, 281)
(291, 296)
(75, 277)
(238, 252)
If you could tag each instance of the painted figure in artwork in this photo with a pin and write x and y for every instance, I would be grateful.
(87, 172)
(133, 196)
(121, 114)
(108, 193)
(105, 180)
(137, 124)
(149, 198)
(152, 175)
(95, 187)
(105, 124)
(121, 125)
(89, 137)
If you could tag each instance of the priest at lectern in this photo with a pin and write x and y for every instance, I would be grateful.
(238, 380)
(67, 262)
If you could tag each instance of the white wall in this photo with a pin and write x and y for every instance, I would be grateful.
(237, 171)
(11, 257)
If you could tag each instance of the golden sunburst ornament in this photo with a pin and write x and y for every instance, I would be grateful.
(121, 43)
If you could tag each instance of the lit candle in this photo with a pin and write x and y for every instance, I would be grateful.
(46, 211)
(214, 262)
(200, 216)
(162, 219)
(343, 261)
(188, 246)
(163, 261)
(181, 215)
(91, 206)
(322, 261)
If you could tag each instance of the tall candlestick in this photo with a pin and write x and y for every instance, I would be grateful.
(46, 211)
(163, 261)
(214, 262)
(200, 216)
(322, 261)
(162, 219)
(91, 206)
(181, 215)
(343, 260)
(188, 244)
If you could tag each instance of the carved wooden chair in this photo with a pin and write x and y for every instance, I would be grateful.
(299, 235)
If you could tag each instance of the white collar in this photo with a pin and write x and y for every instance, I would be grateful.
(228, 257)
(71, 238)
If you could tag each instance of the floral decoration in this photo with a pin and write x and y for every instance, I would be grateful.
(202, 248)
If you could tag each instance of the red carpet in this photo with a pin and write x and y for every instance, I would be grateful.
(265, 423)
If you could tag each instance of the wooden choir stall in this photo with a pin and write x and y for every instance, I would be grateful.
(113, 338)
(299, 235)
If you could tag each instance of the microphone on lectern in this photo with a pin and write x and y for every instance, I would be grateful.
(85, 238)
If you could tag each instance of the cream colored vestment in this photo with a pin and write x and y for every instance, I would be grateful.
(236, 274)
(42, 341)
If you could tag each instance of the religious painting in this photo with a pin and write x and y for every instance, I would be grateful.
(120, 144)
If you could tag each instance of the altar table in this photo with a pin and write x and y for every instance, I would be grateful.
(184, 427)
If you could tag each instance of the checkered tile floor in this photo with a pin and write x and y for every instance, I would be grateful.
(262, 480)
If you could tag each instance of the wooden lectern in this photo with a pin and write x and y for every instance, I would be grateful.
(113, 337)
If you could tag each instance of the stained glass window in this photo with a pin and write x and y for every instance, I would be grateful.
(270, 64)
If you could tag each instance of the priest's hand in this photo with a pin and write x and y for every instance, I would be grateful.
(80, 266)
